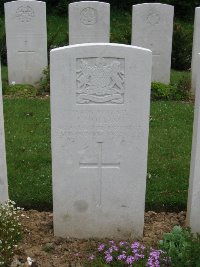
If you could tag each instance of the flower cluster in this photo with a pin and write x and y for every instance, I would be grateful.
(128, 254)
(10, 231)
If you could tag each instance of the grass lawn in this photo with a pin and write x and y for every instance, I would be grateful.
(169, 155)
(4, 76)
(176, 76)
(27, 125)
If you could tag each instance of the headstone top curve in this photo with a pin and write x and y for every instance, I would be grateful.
(100, 45)
(153, 4)
(87, 2)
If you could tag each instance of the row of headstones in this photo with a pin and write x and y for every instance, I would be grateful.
(89, 22)
(100, 100)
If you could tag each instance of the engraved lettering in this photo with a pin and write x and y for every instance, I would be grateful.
(84, 131)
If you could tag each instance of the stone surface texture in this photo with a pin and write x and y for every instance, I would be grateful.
(26, 39)
(100, 98)
(152, 28)
(195, 48)
(193, 207)
(3, 168)
(89, 22)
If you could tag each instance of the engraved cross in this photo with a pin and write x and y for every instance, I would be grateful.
(99, 165)
(27, 52)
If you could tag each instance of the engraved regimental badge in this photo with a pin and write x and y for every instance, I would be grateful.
(88, 16)
(25, 13)
(153, 18)
(100, 81)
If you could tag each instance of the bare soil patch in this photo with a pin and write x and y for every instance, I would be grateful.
(48, 251)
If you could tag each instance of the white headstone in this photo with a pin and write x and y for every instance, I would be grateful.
(152, 28)
(100, 98)
(193, 207)
(3, 168)
(26, 39)
(196, 48)
(89, 22)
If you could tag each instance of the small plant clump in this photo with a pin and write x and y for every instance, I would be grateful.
(44, 84)
(182, 247)
(178, 92)
(20, 90)
(10, 231)
(127, 254)
(161, 91)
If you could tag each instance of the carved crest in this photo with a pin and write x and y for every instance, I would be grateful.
(100, 80)
(88, 16)
(153, 18)
(25, 13)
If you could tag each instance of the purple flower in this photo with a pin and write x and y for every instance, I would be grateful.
(108, 258)
(121, 257)
(101, 247)
(91, 257)
(135, 251)
(138, 256)
(130, 254)
(123, 243)
(135, 245)
(153, 260)
(130, 260)
(110, 250)
(115, 248)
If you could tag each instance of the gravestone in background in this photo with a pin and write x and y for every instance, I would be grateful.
(3, 168)
(196, 48)
(152, 28)
(89, 22)
(100, 98)
(26, 40)
(193, 207)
